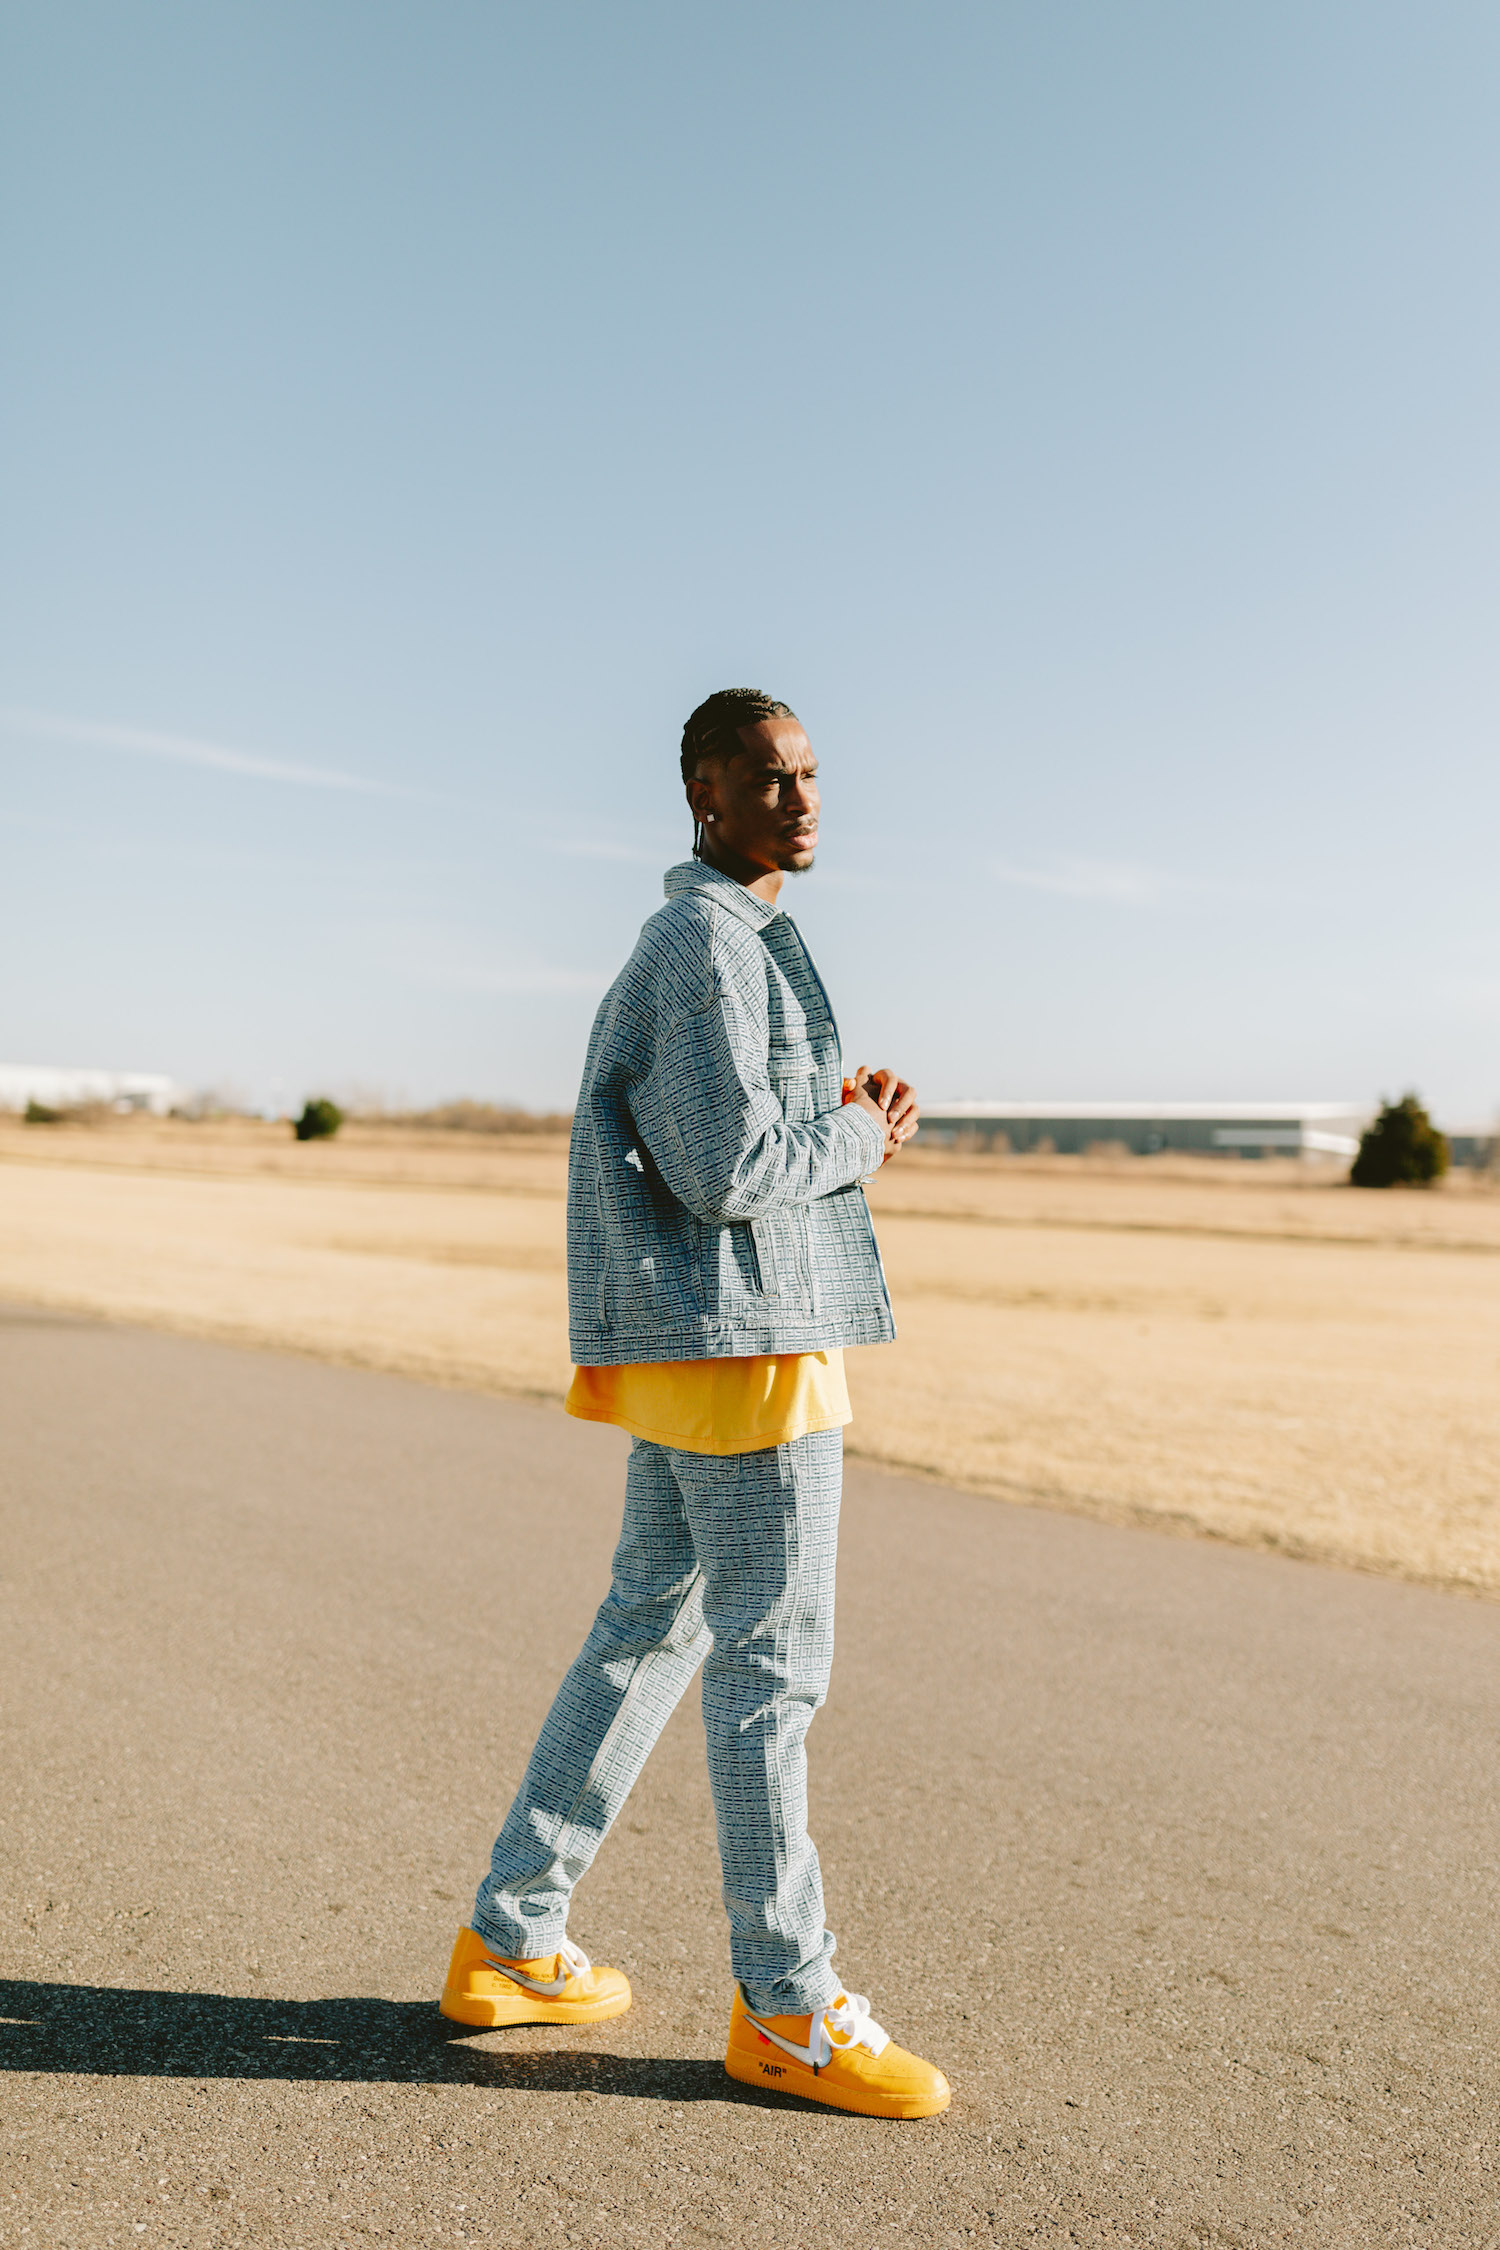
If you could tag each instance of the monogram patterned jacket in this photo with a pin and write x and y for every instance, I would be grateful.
(715, 1205)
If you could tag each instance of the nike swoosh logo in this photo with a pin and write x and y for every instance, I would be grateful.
(802, 2055)
(530, 1984)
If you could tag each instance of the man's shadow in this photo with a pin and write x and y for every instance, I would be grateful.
(101, 2032)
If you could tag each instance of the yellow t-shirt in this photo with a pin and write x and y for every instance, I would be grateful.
(717, 1405)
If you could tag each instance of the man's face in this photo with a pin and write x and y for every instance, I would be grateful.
(763, 801)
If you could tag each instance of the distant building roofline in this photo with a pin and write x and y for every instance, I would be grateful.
(1290, 1113)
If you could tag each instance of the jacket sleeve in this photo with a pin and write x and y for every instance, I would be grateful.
(715, 1126)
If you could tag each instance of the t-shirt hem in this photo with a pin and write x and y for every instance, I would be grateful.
(802, 1426)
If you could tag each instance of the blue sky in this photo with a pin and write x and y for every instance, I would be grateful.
(1082, 414)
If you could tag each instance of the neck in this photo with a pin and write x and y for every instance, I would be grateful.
(760, 882)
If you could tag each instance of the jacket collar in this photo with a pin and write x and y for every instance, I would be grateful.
(697, 875)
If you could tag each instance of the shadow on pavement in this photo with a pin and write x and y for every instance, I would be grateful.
(96, 2030)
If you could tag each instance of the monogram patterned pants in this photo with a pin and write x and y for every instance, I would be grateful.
(725, 1561)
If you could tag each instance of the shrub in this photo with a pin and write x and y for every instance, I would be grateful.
(37, 1113)
(319, 1121)
(1403, 1148)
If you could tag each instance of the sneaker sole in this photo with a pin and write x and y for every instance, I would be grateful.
(491, 2015)
(751, 2070)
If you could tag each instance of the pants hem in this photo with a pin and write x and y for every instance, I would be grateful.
(537, 1947)
(806, 2003)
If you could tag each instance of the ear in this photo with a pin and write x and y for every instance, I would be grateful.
(702, 794)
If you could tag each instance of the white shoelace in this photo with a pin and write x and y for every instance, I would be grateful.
(573, 1962)
(853, 2025)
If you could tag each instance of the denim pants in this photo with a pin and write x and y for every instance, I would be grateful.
(724, 1561)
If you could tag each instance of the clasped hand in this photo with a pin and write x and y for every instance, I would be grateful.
(890, 1101)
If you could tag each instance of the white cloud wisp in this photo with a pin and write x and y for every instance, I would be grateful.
(186, 750)
(434, 958)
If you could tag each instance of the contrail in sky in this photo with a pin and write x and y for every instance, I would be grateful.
(186, 751)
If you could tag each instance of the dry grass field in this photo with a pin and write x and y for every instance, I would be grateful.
(1242, 1350)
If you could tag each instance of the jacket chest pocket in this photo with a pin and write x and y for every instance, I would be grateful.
(791, 1067)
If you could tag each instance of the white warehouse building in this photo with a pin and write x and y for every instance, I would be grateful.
(1148, 1128)
(55, 1087)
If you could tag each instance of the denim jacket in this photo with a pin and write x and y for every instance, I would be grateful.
(715, 1205)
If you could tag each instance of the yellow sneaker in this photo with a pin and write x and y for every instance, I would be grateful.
(841, 2057)
(564, 1988)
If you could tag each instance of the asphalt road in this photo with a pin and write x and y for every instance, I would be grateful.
(1182, 1861)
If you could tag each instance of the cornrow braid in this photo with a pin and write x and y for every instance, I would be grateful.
(713, 729)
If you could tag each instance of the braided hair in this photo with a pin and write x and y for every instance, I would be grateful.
(713, 731)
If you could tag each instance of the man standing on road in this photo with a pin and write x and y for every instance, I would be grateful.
(720, 1258)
